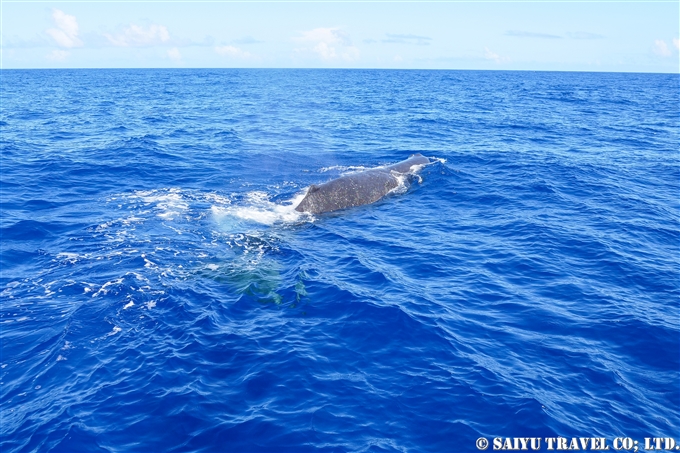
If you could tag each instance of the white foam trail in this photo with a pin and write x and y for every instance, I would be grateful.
(213, 197)
(258, 209)
(170, 202)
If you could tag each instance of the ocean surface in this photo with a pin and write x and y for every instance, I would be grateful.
(159, 293)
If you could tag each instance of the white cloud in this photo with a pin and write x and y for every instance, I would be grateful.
(676, 43)
(661, 48)
(58, 55)
(408, 39)
(174, 54)
(232, 52)
(329, 44)
(584, 35)
(137, 36)
(530, 34)
(489, 55)
(66, 33)
(327, 35)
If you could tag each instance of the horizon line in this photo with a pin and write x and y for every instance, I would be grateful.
(338, 69)
(339, 1)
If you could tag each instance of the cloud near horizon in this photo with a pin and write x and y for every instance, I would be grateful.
(174, 54)
(661, 48)
(408, 39)
(233, 52)
(570, 35)
(529, 34)
(66, 33)
(58, 55)
(329, 44)
(138, 36)
(490, 55)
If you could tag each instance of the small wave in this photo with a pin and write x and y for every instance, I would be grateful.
(69, 257)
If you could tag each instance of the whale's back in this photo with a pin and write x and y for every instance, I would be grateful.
(356, 189)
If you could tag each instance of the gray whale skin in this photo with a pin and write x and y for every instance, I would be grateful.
(356, 189)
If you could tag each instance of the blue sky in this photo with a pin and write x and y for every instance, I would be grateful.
(562, 36)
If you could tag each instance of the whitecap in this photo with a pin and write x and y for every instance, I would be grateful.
(115, 330)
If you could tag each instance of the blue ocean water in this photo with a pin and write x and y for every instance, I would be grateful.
(159, 292)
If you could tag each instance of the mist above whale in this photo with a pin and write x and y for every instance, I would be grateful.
(358, 189)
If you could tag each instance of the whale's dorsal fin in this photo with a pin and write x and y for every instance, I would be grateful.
(313, 188)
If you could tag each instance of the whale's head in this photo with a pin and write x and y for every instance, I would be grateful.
(406, 166)
(311, 202)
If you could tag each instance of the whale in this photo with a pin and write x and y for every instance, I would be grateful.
(358, 189)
